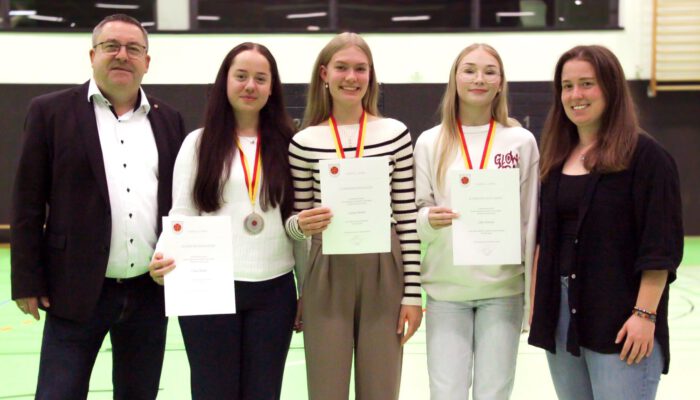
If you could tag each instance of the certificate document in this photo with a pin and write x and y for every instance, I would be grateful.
(358, 192)
(202, 281)
(487, 231)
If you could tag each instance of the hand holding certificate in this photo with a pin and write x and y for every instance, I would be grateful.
(203, 281)
(358, 192)
(488, 229)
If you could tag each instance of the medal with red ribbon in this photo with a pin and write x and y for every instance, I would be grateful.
(253, 222)
(360, 136)
(487, 146)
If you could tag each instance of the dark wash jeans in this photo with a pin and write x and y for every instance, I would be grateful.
(241, 356)
(132, 312)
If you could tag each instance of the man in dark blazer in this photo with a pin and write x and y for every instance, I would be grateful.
(94, 179)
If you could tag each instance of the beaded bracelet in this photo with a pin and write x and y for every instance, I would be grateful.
(642, 313)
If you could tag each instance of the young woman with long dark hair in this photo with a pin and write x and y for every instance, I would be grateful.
(237, 166)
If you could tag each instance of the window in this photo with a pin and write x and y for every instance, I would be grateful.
(562, 14)
(73, 14)
(265, 16)
(404, 15)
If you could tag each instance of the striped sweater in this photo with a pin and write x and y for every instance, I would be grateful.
(384, 137)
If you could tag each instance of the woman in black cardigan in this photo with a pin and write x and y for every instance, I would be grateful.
(610, 237)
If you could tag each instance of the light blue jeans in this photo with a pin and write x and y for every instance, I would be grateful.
(480, 336)
(596, 375)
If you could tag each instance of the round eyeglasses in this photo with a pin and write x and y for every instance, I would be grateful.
(470, 76)
(133, 50)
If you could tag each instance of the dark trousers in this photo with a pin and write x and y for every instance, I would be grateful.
(241, 356)
(133, 313)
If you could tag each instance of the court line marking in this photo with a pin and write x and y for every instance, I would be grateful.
(690, 310)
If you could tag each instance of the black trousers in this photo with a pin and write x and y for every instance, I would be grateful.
(242, 356)
(133, 313)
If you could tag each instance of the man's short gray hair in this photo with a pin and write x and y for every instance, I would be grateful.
(120, 18)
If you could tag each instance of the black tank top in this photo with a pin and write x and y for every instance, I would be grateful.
(569, 195)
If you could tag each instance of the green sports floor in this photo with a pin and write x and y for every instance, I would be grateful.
(20, 339)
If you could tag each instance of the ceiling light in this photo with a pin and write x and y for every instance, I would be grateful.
(404, 18)
(46, 18)
(22, 13)
(515, 14)
(118, 6)
(307, 15)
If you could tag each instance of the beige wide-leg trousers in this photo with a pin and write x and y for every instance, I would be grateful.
(352, 302)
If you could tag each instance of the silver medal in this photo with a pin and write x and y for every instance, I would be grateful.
(253, 223)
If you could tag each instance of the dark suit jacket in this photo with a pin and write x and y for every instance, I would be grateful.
(61, 223)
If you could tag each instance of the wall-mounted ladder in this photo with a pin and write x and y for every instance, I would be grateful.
(675, 64)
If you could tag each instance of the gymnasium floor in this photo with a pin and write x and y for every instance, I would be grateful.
(20, 338)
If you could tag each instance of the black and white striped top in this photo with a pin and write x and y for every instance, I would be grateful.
(384, 137)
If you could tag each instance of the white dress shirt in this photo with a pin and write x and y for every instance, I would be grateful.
(130, 160)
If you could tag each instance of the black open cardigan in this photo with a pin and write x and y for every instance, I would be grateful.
(629, 222)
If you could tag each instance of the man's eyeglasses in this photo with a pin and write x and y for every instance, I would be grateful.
(133, 50)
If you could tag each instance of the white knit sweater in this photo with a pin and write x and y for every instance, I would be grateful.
(257, 257)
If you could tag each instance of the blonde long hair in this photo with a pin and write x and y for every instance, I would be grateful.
(319, 103)
(448, 139)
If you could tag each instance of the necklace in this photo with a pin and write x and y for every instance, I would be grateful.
(249, 139)
(350, 136)
(584, 151)
(360, 136)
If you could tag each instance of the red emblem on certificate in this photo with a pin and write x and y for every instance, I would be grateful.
(464, 180)
(334, 170)
(177, 227)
